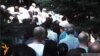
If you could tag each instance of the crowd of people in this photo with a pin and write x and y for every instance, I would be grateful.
(41, 32)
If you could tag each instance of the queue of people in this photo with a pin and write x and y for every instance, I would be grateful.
(38, 32)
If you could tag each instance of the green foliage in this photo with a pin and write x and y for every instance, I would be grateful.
(79, 12)
(44, 3)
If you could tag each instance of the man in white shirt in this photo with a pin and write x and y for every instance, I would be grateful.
(38, 43)
(52, 35)
(32, 9)
(24, 14)
(44, 15)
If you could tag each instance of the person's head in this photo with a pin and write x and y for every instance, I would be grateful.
(63, 26)
(15, 20)
(61, 29)
(69, 28)
(3, 6)
(63, 18)
(83, 38)
(16, 8)
(23, 50)
(94, 48)
(48, 22)
(74, 52)
(55, 27)
(39, 33)
(44, 10)
(63, 49)
(33, 4)
(50, 48)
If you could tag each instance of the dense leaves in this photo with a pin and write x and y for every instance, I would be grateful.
(80, 12)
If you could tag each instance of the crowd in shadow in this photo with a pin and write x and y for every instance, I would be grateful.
(34, 32)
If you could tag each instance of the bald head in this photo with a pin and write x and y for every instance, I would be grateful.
(39, 31)
(94, 48)
(83, 37)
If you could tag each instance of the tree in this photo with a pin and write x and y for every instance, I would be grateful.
(79, 12)
(44, 3)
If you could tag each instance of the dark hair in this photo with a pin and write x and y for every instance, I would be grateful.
(36, 19)
(50, 48)
(63, 18)
(55, 27)
(81, 50)
(70, 28)
(15, 20)
(74, 52)
(63, 49)
(48, 22)
(23, 50)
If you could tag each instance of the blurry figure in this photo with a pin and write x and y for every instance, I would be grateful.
(44, 15)
(84, 40)
(3, 6)
(51, 34)
(39, 22)
(16, 9)
(81, 50)
(63, 49)
(24, 14)
(50, 48)
(62, 31)
(38, 10)
(94, 48)
(19, 12)
(32, 6)
(95, 37)
(70, 39)
(64, 20)
(92, 39)
(32, 9)
(23, 50)
(4, 14)
(74, 52)
(55, 27)
(38, 41)
(11, 9)
(15, 20)
(52, 15)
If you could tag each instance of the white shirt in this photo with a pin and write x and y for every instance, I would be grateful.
(37, 47)
(63, 23)
(44, 16)
(52, 35)
(24, 14)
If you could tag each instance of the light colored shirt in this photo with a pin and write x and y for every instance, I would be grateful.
(52, 35)
(63, 23)
(24, 14)
(37, 47)
(62, 35)
(71, 41)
